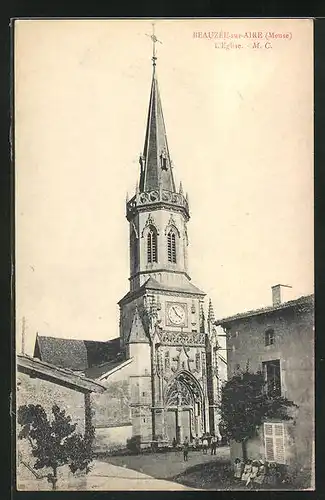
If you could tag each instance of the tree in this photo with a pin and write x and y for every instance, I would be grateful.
(245, 405)
(55, 442)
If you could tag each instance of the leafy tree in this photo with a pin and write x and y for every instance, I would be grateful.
(55, 442)
(245, 405)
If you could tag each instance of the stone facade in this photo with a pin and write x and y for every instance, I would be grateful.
(283, 334)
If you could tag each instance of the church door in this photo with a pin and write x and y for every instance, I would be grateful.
(171, 425)
(185, 424)
(180, 408)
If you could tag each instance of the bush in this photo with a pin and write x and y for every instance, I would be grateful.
(134, 444)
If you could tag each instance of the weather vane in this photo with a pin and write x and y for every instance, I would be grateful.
(154, 41)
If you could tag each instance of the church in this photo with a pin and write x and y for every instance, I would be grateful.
(165, 370)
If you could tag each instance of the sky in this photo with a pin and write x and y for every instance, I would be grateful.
(240, 132)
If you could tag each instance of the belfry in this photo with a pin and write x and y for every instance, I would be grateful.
(162, 321)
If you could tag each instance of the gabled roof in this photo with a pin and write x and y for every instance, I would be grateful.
(156, 171)
(78, 355)
(306, 300)
(60, 376)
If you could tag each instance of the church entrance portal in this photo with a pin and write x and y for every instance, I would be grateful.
(183, 409)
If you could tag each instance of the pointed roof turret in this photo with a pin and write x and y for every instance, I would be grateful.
(156, 168)
(137, 333)
(211, 317)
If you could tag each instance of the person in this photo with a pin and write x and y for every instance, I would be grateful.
(205, 444)
(238, 468)
(213, 445)
(174, 443)
(186, 446)
(197, 442)
(246, 475)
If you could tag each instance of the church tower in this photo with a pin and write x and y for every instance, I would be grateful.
(162, 325)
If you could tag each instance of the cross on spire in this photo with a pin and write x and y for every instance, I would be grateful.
(154, 41)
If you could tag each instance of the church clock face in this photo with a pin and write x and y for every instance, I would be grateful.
(176, 314)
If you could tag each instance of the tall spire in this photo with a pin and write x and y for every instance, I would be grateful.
(156, 170)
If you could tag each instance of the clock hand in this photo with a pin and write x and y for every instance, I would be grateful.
(179, 315)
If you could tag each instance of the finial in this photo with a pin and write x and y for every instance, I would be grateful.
(211, 312)
(180, 188)
(127, 197)
(154, 41)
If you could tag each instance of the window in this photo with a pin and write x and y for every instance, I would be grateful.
(171, 244)
(272, 375)
(163, 160)
(143, 394)
(274, 442)
(269, 337)
(134, 251)
(152, 246)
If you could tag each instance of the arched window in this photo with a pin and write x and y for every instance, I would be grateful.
(134, 251)
(171, 246)
(152, 246)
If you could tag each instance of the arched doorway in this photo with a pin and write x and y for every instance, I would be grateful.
(184, 412)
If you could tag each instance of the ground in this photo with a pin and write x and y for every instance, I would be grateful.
(209, 472)
(170, 464)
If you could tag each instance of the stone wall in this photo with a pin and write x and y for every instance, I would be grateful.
(37, 391)
(112, 438)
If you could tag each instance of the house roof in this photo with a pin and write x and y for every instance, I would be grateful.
(78, 355)
(301, 301)
(60, 376)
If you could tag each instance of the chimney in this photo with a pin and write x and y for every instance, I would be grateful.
(276, 294)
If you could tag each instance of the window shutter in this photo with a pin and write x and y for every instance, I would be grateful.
(268, 438)
(274, 442)
(279, 443)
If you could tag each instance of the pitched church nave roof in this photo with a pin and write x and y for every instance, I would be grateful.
(74, 354)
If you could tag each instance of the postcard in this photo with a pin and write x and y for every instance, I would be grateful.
(164, 254)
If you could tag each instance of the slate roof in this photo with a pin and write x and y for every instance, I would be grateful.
(77, 355)
(304, 300)
(152, 284)
(157, 172)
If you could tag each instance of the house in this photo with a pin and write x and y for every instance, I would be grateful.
(279, 341)
(42, 383)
